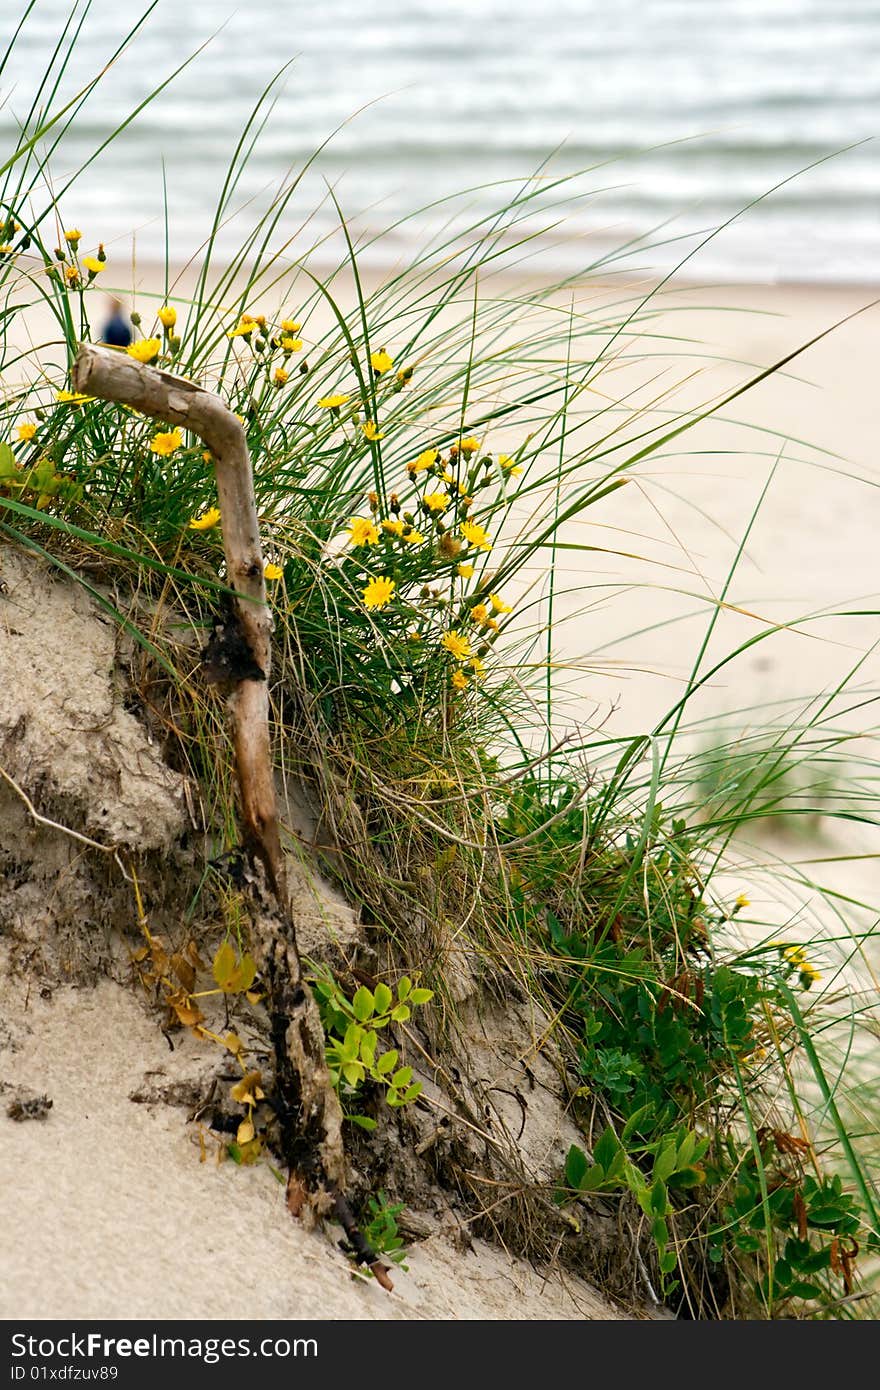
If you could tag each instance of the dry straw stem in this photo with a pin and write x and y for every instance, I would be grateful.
(310, 1115)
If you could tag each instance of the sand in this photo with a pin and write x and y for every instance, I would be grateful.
(108, 1211)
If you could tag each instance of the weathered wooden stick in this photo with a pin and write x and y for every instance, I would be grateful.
(114, 376)
(310, 1118)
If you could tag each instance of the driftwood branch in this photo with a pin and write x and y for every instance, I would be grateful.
(310, 1115)
(113, 376)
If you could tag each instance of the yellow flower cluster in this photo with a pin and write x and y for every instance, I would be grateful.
(381, 362)
(796, 956)
(362, 531)
(145, 350)
(379, 592)
(475, 535)
(206, 520)
(426, 459)
(72, 398)
(165, 442)
(456, 644)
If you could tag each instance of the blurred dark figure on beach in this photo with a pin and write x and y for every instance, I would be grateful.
(117, 330)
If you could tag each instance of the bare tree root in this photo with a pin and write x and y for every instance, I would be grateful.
(239, 656)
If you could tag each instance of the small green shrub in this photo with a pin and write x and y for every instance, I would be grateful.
(672, 1041)
(352, 1027)
(381, 1230)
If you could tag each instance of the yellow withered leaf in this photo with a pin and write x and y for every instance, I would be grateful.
(245, 1131)
(231, 976)
(184, 970)
(224, 964)
(187, 1012)
(247, 1091)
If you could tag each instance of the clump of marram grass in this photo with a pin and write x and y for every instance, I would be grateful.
(789, 780)
(413, 460)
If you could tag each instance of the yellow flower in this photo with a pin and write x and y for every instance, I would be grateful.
(73, 237)
(272, 571)
(93, 265)
(167, 316)
(741, 901)
(291, 344)
(436, 501)
(378, 593)
(381, 362)
(470, 445)
(288, 326)
(72, 276)
(145, 350)
(797, 959)
(281, 377)
(475, 535)
(413, 635)
(477, 667)
(363, 531)
(507, 463)
(465, 571)
(456, 644)
(459, 680)
(243, 328)
(479, 613)
(206, 520)
(499, 605)
(207, 456)
(72, 397)
(165, 443)
(425, 460)
(26, 432)
(414, 538)
(332, 402)
(394, 528)
(404, 376)
(371, 430)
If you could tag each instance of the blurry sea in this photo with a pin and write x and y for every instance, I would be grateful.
(672, 115)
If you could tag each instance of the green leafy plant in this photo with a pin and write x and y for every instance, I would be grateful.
(352, 1027)
(381, 1229)
(670, 1039)
(671, 1161)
